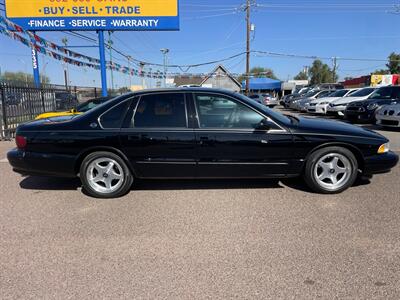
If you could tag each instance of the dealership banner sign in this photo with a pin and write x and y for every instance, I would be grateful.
(37, 15)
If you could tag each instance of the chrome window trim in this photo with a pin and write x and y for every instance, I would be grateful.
(241, 102)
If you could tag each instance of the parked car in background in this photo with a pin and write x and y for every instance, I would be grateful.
(320, 105)
(266, 99)
(65, 100)
(80, 109)
(301, 104)
(388, 115)
(181, 133)
(338, 106)
(364, 111)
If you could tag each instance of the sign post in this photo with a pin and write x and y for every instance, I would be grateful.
(103, 66)
(35, 65)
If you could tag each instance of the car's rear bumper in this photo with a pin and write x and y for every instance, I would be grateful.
(44, 164)
(380, 163)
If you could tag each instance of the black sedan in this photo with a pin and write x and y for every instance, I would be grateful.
(196, 133)
(364, 111)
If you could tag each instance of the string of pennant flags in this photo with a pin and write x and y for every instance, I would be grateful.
(48, 48)
(42, 46)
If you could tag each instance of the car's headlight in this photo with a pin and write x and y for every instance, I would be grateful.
(372, 106)
(323, 103)
(384, 148)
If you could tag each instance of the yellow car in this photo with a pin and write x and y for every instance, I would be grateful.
(80, 109)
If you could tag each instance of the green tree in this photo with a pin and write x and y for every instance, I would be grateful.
(380, 72)
(301, 76)
(23, 77)
(393, 64)
(259, 72)
(321, 73)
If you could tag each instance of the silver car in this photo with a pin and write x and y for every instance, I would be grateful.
(266, 99)
(388, 115)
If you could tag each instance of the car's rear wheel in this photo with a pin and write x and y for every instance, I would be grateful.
(105, 175)
(331, 170)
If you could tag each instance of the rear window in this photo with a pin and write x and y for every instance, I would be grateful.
(113, 118)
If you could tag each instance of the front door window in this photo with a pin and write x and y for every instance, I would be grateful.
(215, 111)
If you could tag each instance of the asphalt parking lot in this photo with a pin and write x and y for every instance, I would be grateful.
(245, 239)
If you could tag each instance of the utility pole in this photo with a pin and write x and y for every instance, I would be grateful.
(66, 73)
(165, 52)
(141, 64)
(129, 71)
(248, 29)
(110, 43)
(334, 69)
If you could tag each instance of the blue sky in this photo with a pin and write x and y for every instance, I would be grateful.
(212, 30)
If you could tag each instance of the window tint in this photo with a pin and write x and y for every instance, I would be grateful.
(220, 112)
(339, 93)
(323, 94)
(161, 110)
(382, 93)
(114, 117)
(396, 93)
(362, 92)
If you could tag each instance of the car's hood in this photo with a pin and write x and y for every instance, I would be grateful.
(390, 110)
(329, 127)
(347, 100)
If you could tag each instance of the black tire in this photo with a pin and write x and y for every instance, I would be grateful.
(313, 182)
(120, 191)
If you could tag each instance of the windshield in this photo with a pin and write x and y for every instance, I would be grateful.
(362, 92)
(310, 94)
(339, 93)
(382, 93)
(275, 115)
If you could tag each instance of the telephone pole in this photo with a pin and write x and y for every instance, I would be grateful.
(248, 29)
(110, 44)
(334, 69)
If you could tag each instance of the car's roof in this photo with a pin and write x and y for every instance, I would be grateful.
(183, 89)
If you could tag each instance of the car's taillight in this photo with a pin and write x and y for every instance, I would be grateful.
(20, 141)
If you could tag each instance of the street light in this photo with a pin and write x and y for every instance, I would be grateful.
(165, 52)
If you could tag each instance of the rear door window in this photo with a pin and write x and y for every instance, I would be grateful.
(161, 111)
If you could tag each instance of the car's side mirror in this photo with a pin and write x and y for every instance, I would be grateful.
(264, 125)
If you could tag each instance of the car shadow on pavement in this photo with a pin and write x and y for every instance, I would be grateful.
(54, 184)
(49, 183)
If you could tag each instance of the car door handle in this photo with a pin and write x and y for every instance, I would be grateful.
(264, 141)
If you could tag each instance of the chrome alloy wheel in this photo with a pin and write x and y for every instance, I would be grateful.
(105, 175)
(332, 171)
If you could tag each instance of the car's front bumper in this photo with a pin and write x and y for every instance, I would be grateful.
(360, 116)
(380, 163)
(44, 164)
(391, 121)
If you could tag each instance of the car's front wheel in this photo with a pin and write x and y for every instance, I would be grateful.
(105, 175)
(331, 170)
